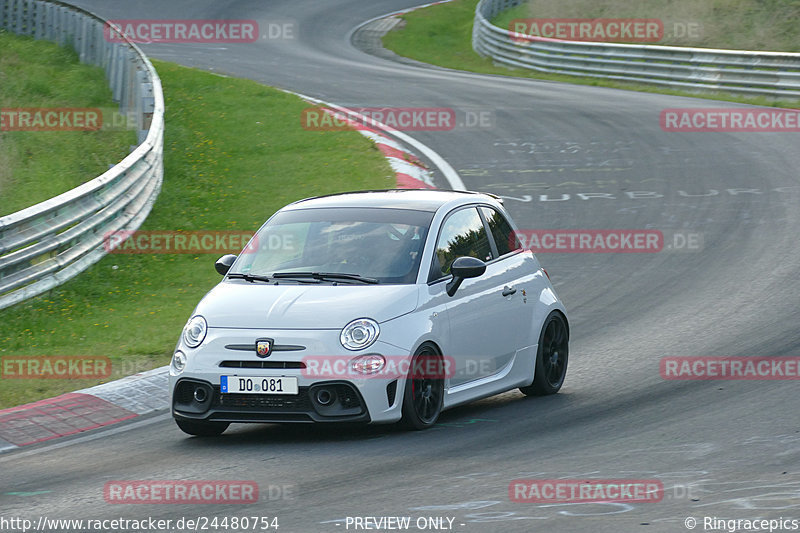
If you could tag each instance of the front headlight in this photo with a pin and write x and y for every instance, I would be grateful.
(359, 334)
(195, 331)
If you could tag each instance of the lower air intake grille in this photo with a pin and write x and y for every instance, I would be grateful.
(391, 392)
(299, 402)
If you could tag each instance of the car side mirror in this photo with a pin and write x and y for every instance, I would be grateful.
(463, 268)
(224, 263)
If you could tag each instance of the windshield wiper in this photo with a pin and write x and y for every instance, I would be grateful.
(325, 276)
(249, 277)
(266, 279)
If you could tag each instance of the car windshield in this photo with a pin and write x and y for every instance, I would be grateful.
(319, 245)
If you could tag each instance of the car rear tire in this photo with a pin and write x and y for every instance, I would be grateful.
(424, 394)
(202, 429)
(552, 357)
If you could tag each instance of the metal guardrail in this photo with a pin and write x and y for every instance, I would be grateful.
(49, 243)
(775, 74)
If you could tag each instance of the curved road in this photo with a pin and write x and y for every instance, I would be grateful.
(565, 157)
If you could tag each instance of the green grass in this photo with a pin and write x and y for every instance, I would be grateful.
(235, 152)
(442, 35)
(504, 18)
(732, 24)
(35, 166)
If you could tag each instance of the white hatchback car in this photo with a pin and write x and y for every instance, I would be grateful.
(371, 306)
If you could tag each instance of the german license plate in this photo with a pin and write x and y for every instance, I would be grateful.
(258, 385)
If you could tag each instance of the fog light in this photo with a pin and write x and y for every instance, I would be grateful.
(367, 364)
(325, 397)
(200, 394)
(178, 361)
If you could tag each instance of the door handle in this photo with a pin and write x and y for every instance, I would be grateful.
(508, 291)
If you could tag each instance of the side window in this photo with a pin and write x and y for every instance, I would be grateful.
(505, 238)
(463, 234)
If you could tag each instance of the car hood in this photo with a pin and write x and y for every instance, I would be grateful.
(235, 304)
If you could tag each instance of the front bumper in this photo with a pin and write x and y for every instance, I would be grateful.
(361, 400)
(344, 403)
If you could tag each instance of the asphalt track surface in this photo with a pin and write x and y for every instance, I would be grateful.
(725, 449)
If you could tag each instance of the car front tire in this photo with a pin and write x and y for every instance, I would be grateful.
(552, 356)
(424, 394)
